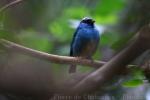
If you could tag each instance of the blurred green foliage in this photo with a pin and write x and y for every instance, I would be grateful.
(133, 83)
(33, 39)
(58, 33)
(136, 78)
(44, 25)
(54, 16)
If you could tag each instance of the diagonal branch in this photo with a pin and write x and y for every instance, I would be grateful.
(9, 5)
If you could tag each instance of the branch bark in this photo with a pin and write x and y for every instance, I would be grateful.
(50, 57)
(9, 5)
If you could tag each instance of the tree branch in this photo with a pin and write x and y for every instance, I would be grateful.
(50, 57)
(9, 5)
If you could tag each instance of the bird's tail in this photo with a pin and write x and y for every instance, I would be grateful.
(72, 69)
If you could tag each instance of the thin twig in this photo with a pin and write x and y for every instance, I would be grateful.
(9, 5)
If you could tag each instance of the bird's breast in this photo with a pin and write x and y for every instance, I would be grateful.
(89, 33)
(88, 49)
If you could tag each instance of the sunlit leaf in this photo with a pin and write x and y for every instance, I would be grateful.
(133, 83)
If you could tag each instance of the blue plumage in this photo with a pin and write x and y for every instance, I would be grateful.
(85, 41)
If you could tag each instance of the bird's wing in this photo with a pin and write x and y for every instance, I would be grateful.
(74, 35)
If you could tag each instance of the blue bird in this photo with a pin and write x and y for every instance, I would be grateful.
(85, 41)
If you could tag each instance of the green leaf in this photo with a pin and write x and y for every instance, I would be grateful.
(136, 77)
(137, 73)
(133, 83)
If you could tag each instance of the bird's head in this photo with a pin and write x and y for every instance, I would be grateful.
(88, 21)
